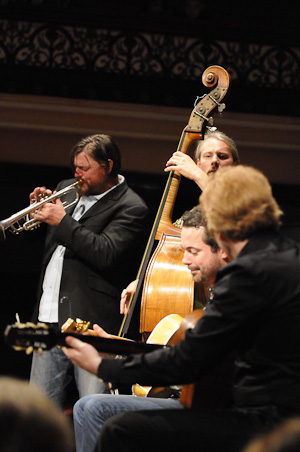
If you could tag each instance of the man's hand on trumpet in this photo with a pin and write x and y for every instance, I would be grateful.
(50, 212)
(38, 194)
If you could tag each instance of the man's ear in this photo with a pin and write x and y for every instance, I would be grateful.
(109, 166)
(224, 256)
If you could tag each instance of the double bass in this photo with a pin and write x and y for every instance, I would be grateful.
(165, 283)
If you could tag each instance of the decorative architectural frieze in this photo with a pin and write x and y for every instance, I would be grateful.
(143, 67)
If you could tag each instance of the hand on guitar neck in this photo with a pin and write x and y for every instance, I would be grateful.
(82, 327)
(101, 332)
(90, 363)
(93, 358)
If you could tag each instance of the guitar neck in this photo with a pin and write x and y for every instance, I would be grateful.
(45, 339)
(113, 345)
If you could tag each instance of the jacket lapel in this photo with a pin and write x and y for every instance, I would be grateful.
(107, 201)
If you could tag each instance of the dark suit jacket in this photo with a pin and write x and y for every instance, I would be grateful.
(100, 257)
(255, 312)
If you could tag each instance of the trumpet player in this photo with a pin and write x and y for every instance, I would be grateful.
(88, 258)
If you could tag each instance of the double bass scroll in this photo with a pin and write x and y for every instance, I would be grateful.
(195, 129)
(159, 281)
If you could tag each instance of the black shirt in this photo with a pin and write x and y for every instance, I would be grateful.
(256, 313)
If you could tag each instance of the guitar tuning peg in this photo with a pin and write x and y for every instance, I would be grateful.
(29, 350)
(211, 129)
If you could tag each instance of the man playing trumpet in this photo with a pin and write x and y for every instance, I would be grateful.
(87, 259)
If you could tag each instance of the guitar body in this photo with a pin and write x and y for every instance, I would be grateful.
(162, 334)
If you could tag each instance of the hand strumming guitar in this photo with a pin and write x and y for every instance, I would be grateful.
(82, 354)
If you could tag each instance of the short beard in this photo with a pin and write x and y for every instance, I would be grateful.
(83, 192)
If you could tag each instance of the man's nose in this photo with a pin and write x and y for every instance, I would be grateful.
(185, 259)
(215, 158)
(77, 172)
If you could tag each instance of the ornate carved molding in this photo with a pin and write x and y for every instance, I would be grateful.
(151, 68)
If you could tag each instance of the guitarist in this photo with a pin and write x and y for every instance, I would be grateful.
(203, 258)
(255, 311)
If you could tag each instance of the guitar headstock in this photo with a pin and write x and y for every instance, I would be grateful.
(30, 336)
(212, 76)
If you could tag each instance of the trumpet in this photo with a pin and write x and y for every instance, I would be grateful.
(20, 222)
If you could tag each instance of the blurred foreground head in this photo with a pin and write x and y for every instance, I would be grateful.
(284, 438)
(30, 421)
(238, 202)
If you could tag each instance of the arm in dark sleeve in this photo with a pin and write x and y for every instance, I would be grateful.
(214, 336)
(105, 248)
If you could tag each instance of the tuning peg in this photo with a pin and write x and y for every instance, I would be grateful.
(221, 107)
(211, 129)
